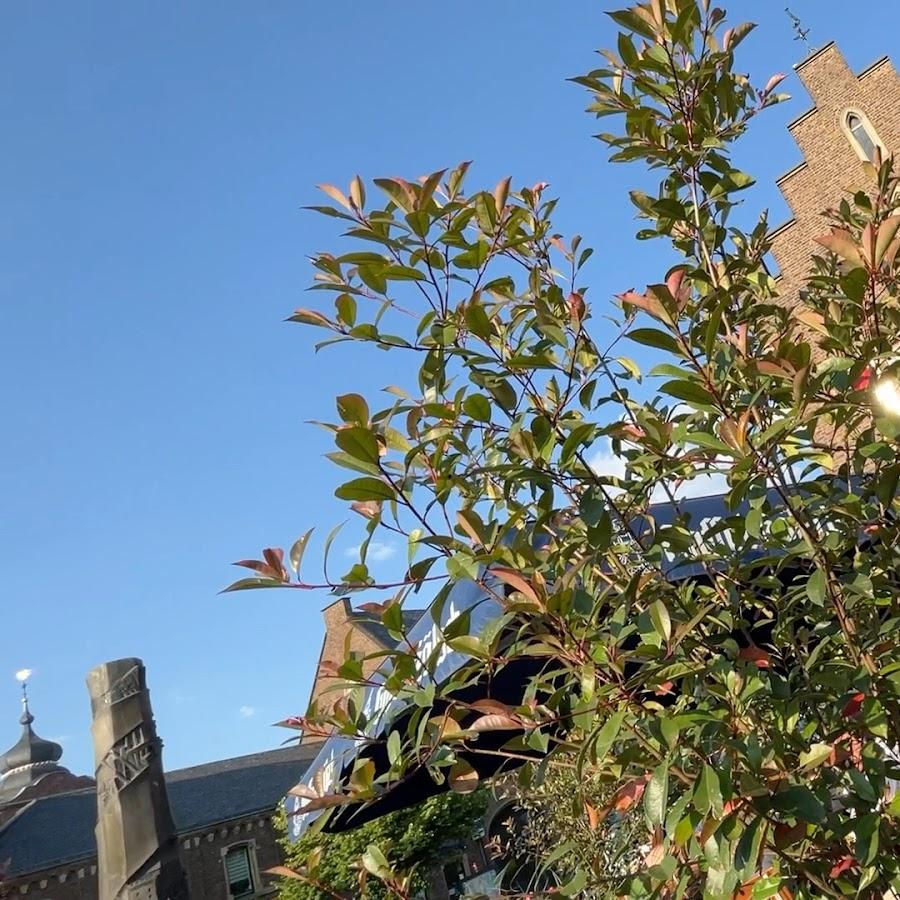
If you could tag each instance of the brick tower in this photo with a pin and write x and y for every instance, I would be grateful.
(853, 114)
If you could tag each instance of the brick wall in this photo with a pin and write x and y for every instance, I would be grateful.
(201, 854)
(342, 632)
(831, 167)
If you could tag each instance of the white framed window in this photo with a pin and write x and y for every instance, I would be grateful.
(862, 136)
(240, 870)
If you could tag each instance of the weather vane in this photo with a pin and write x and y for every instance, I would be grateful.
(801, 33)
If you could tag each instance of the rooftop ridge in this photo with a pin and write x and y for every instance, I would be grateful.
(798, 66)
(875, 65)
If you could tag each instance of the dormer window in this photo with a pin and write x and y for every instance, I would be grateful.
(862, 136)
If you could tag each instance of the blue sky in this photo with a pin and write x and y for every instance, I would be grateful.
(154, 161)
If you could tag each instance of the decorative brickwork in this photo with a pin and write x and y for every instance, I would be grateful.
(832, 165)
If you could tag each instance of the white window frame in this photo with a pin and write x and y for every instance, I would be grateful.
(869, 128)
(250, 847)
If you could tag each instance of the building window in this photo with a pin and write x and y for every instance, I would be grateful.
(239, 871)
(862, 135)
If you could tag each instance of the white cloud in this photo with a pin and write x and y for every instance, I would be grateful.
(378, 551)
(247, 712)
(605, 462)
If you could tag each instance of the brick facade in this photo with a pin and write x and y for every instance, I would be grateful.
(345, 631)
(832, 165)
(201, 853)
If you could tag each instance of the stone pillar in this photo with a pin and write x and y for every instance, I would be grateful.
(137, 852)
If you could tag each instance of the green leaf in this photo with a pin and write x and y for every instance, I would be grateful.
(708, 793)
(345, 306)
(503, 393)
(799, 801)
(394, 748)
(247, 584)
(816, 587)
(659, 615)
(689, 391)
(478, 407)
(463, 779)
(608, 733)
(477, 321)
(346, 461)
(815, 756)
(867, 837)
(353, 408)
(656, 796)
(862, 786)
(747, 851)
(575, 885)
(753, 522)
(375, 862)
(461, 566)
(403, 273)
(365, 489)
(630, 366)
(359, 443)
(653, 337)
(600, 534)
(767, 887)
(474, 257)
(670, 728)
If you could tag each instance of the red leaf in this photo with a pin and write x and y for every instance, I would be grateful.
(486, 705)
(516, 581)
(373, 607)
(656, 854)
(367, 508)
(854, 705)
(756, 655)
(576, 308)
(844, 863)
(284, 872)
(629, 794)
(647, 302)
(786, 835)
(324, 802)
(773, 83)
(864, 381)
(274, 556)
(259, 566)
(841, 242)
(496, 722)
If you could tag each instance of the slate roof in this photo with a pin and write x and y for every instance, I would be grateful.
(57, 830)
(374, 627)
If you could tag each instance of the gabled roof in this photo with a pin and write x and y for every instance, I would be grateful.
(59, 830)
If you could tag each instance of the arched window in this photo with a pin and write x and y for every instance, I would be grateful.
(862, 135)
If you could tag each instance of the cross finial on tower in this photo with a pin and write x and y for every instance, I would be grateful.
(22, 677)
(800, 33)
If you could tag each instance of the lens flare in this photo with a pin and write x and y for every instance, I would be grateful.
(887, 393)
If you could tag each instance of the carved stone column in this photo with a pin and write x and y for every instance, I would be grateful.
(137, 852)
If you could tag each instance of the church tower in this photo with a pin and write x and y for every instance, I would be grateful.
(31, 767)
(853, 114)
